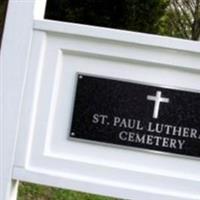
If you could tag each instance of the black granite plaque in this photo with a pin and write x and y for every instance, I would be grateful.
(136, 115)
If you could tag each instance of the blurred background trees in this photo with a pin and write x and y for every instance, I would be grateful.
(182, 19)
(134, 15)
(176, 18)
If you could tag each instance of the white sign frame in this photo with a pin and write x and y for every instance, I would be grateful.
(43, 87)
(15, 49)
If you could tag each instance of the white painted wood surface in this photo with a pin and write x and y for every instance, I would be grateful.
(66, 49)
(41, 85)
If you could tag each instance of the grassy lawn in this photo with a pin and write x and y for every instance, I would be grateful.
(29, 191)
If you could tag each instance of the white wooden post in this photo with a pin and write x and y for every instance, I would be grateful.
(13, 61)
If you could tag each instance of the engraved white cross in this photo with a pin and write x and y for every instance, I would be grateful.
(158, 99)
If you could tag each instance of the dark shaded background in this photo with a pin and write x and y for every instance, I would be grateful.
(134, 15)
(176, 18)
(163, 17)
(3, 8)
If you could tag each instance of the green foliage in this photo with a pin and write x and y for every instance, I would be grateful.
(166, 26)
(134, 15)
(182, 19)
(28, 191)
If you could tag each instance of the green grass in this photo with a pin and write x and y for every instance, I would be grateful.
(28, 191)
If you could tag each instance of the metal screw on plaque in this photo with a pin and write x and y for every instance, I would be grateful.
(72, 134)
(80, 76)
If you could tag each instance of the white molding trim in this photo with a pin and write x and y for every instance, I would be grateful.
(116, 35)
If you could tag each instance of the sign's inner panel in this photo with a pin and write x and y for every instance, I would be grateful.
(136, 115)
